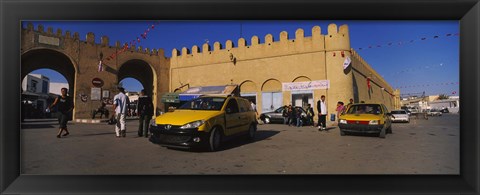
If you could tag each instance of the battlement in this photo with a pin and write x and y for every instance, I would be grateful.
(336, 39)
(90, 39)
(368, 71)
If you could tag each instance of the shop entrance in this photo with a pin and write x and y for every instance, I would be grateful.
(302, 98)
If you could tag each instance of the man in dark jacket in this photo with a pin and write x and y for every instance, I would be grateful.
(145, 111)
(310, 114)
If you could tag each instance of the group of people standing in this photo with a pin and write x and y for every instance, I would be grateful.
(65, 107)
(293, 115)
(144, 108)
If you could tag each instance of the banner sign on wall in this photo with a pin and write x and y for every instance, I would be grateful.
(309, 85)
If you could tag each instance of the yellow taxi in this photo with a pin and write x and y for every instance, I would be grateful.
(205, 121)
(366, 118)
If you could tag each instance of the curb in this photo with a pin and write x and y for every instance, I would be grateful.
(97, 121)
(91, 120)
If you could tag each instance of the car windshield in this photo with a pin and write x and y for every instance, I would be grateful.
(204, 103)
(399, 112)
(364, 109)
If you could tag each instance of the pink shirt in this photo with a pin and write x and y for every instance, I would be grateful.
(340, 108)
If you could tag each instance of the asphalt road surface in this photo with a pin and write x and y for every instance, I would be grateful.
(419, 147)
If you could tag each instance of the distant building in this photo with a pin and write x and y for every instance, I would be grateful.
(35, 95)
(432, 102)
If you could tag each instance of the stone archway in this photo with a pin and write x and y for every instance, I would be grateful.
(50, 59)
(141, 71)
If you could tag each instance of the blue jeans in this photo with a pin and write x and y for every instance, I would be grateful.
(299, 122)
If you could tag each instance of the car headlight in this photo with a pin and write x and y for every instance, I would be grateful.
(343, 121)
(373, 122)
(153, 123)
(193, 124)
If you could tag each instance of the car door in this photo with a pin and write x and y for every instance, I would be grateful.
(246, 115)
(388, 120)
(233, 117)
(277, 115)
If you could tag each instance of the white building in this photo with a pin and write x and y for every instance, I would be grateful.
(35, 90)
(432, 102)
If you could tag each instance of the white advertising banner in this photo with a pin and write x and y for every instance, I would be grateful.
(310, 85)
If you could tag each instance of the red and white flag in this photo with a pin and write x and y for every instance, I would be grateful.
(100, 66)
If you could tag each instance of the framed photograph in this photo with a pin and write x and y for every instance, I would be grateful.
(18, 179)
(105, 94)
(96, 93)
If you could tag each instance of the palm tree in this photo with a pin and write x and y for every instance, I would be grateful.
(442, 97)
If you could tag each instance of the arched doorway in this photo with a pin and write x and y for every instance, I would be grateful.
(132, 88)
(248, 90)
(142, 72)
(302, 97)
(48, 59)
(272, 96)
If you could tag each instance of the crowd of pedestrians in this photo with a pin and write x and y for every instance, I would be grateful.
(293, 115)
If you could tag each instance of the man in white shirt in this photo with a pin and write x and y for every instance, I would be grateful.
(322, 113)
(121, 102)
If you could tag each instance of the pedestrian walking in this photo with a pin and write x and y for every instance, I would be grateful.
(292, 116)
(65, 107)
(310, 114)
(254, 107)
(289, 114)
(120, 104)
(145, 111)
(340, 109)
(285, 114)
(298, 116)
(322, 113)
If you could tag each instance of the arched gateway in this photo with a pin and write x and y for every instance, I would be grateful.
(78, 61)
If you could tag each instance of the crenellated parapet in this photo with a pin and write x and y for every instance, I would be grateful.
(58, 38)
(337, 39)
(363, 67)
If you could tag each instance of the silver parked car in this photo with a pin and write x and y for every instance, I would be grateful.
(400, 116)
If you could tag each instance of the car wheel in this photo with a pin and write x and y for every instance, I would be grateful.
(266, 120)
(342, 133)
(215, 139)
(251, 132)
(382, 133)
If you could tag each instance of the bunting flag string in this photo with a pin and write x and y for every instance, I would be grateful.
(407, 42)
(416, 69)
(428, 85)
(134, 42)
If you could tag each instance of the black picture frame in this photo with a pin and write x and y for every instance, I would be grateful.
(13, 12)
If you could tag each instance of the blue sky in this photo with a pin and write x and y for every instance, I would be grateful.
(422, 65)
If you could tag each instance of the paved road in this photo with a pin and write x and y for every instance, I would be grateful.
(419, 147)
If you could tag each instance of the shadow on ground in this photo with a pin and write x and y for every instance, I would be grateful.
(36, 126)
(237, 141)
(240, 141)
